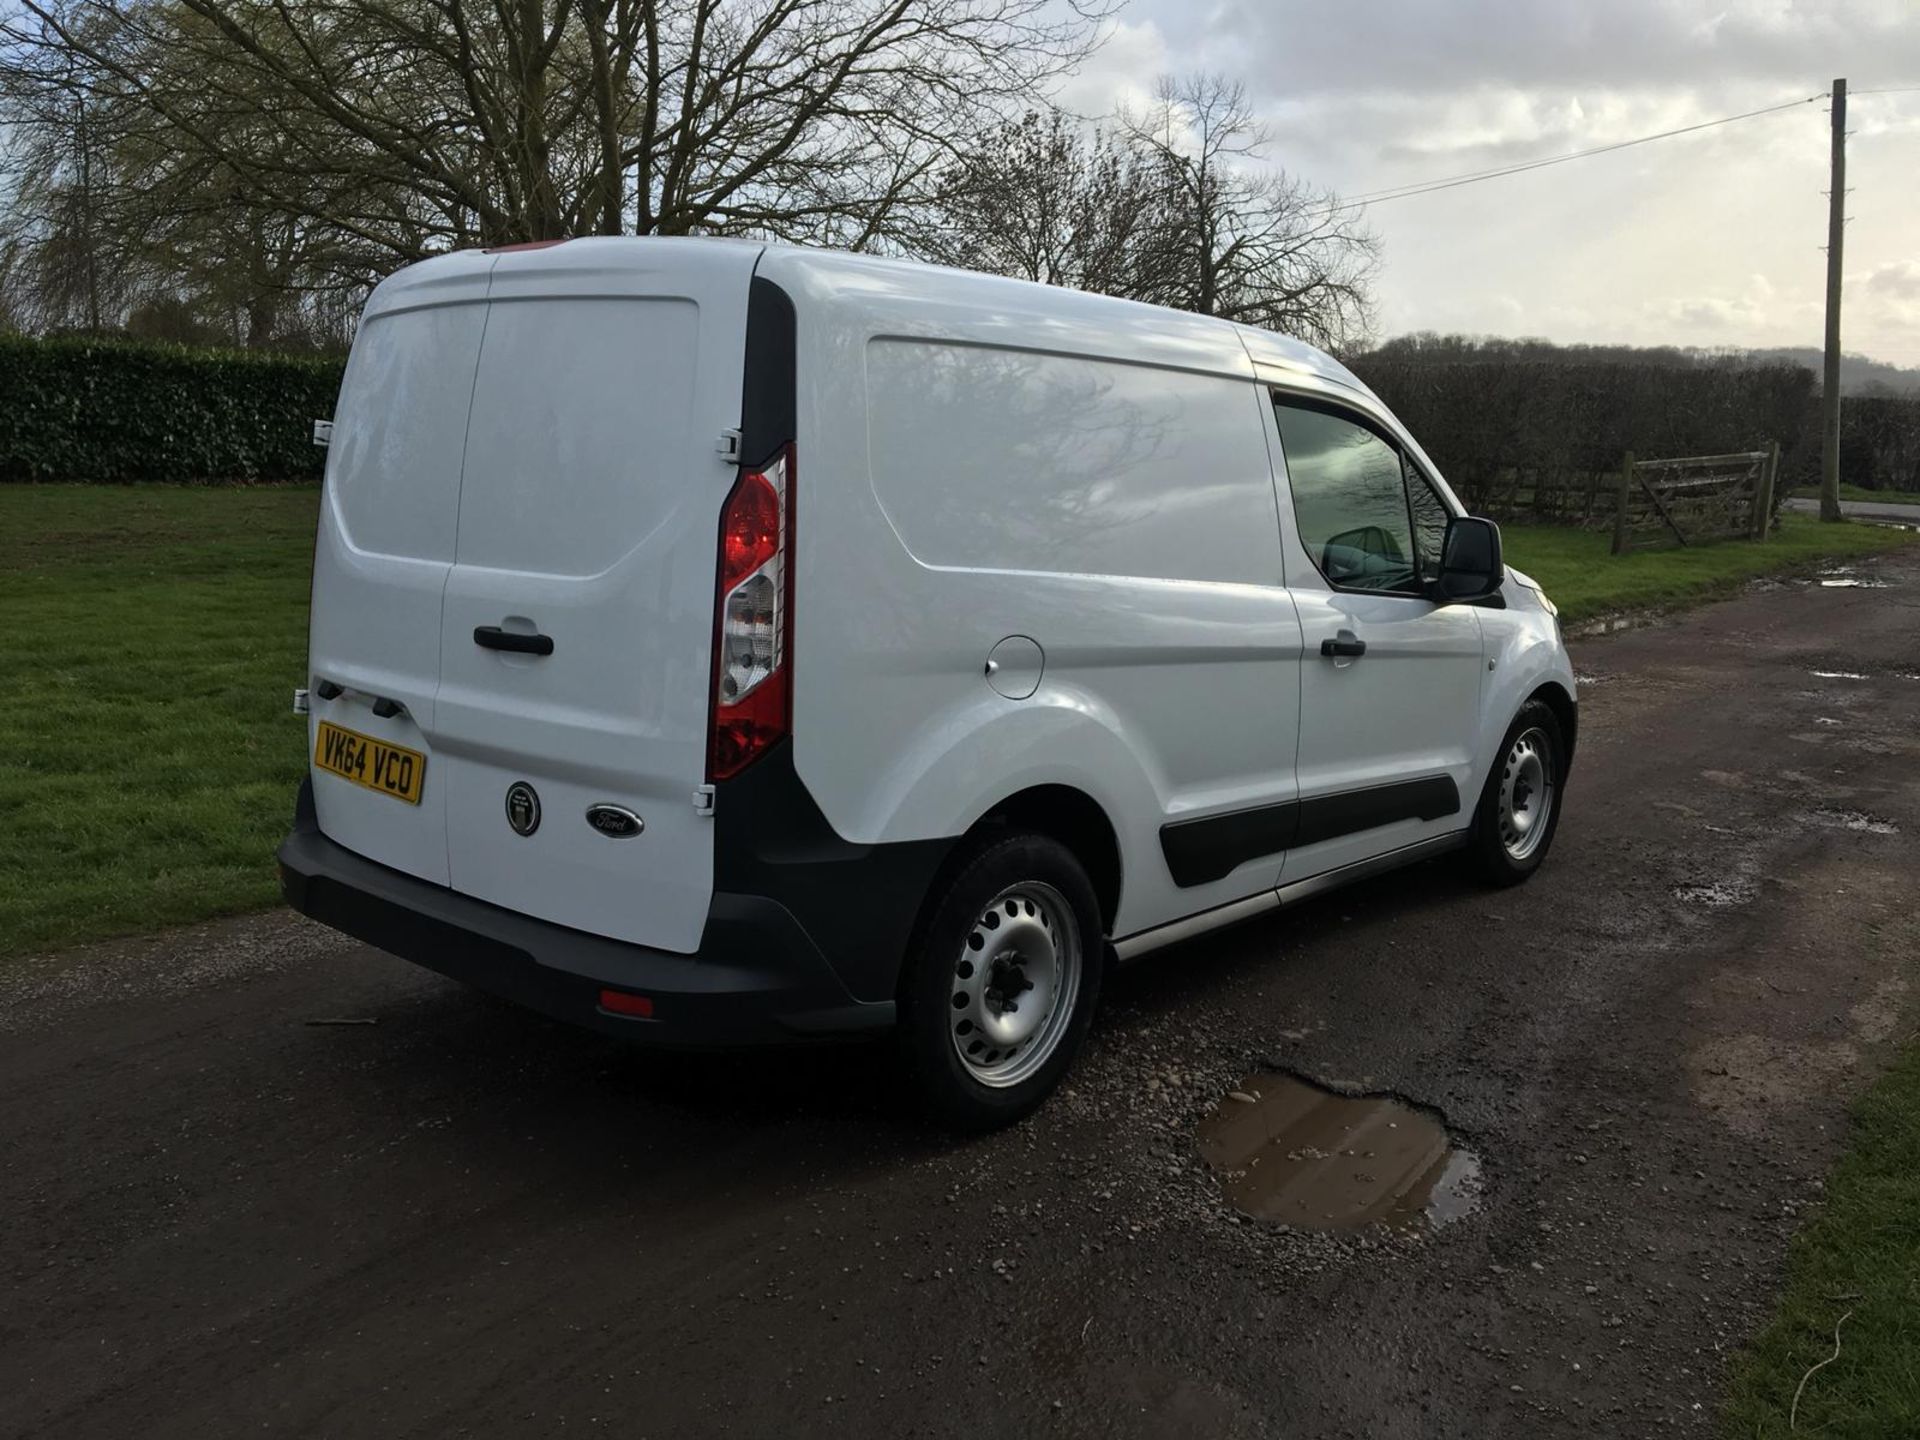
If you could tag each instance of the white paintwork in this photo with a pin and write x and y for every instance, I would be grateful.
(564, 479)
(588, 510)
(1120, 515)
(389, 503)
(1407, 709)
(978, 459)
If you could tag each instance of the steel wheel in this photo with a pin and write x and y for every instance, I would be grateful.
(1015, 982)
(1526, 793)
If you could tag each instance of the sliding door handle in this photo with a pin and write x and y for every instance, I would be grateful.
(1345, 643)
(492, 637)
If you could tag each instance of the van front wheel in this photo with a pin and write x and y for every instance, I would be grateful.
(1000, 988)
(1520, 806)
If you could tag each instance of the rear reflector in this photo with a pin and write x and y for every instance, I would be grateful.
(619, 1002)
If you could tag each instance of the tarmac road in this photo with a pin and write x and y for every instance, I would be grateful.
(1882, 512)
(220, 1219)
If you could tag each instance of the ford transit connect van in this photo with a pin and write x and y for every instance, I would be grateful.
(716, 642)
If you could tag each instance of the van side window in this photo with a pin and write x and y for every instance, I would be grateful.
(1349, 499)
(1430, 516)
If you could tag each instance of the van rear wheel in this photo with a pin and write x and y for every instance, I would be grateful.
(999, 990)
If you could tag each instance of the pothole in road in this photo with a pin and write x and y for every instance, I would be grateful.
(1289, 1151)
(1853, 582)
(1836, 675)
(1855, 820)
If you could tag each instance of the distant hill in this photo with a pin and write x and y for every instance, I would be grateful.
(1858, 374)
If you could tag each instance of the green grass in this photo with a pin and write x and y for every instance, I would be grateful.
(1575, 570)
(1855, 492)
(1861, 1253)
(153, 636)
(148, 756)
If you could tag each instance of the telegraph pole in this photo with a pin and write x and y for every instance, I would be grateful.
(1830, 391)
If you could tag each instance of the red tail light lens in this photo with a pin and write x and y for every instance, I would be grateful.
(752, 679)
(749, 529)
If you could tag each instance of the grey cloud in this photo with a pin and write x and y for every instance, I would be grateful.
(1650, 245)
(1899, 281)
(1292, 49)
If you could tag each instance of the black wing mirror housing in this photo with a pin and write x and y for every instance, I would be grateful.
(1471, 565)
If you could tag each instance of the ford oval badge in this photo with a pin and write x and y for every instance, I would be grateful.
(614, 821)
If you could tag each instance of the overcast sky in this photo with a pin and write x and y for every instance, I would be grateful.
(1706, 239)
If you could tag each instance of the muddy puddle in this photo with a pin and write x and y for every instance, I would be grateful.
(1288, 1151)
(1848, 577)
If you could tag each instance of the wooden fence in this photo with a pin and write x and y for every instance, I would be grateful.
(1696, 497)
(1572, 492)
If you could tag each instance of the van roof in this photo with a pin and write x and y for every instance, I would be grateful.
(915, 282)
(911, 296)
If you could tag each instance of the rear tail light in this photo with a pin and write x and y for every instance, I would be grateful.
(752, 676)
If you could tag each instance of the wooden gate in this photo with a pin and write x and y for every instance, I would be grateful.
(1695, 498)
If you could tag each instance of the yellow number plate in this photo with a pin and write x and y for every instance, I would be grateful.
(391, 769)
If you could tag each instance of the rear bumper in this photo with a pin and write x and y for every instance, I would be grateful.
(757, 977)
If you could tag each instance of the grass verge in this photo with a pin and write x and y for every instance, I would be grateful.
(148, 758)
(1576, 571)
(1857, 492)
(1860, 1258)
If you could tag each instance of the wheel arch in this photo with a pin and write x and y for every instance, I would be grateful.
(1565, 710)
(1077, 821)
(1059, 811)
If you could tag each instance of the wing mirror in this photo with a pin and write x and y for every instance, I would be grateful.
(1471, 567)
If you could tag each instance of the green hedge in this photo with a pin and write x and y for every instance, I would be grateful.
(1503, 430)
(118, 412)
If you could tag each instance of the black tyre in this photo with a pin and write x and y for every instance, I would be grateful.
(1520, 807)
(999, 988)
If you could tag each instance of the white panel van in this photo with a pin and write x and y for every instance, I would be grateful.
(717, 642)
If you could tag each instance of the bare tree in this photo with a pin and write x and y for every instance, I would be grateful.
(64, 261)
(1246, 243)
(13, 290)
(1172, 206)
(390, 129)
(1049, 198)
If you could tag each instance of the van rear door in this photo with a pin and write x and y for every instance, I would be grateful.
(588, 518)
(383, 552)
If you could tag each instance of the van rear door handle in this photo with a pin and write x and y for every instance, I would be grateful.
(492, 637)
(1345, 643)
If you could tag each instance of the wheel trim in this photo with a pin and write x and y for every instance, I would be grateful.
(1526, 794)
(1015, 982)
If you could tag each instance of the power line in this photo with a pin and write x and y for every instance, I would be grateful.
(1890, 90)
(1426, 187)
